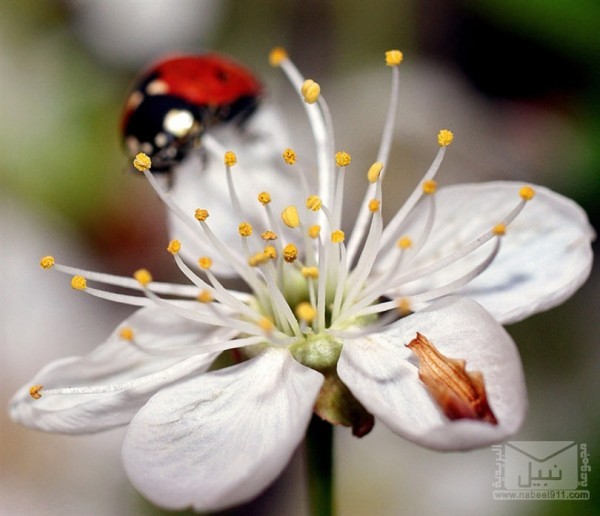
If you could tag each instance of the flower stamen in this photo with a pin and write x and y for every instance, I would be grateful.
(376, 174)
(290, 217)
(78, 283)
(320, 122)
(394, 225)
(35, 391)
(126, 282)
(230, 159)
(126, 333)
(310, 91)
(47, 262)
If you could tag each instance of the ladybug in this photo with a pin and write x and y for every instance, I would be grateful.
(177, 99)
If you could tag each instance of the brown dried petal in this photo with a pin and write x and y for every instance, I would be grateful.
(460, 394)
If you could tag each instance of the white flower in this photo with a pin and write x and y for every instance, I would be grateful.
(382, 325)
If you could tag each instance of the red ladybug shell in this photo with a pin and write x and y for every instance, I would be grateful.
(207, 79)
(203, 90)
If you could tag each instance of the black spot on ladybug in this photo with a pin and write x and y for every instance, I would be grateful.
(221, 75)
(179, 98)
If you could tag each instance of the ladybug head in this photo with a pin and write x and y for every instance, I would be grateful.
(165, 128)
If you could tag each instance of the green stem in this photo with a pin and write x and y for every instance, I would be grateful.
(319, 447)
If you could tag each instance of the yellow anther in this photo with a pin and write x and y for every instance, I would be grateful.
(310, 91)
(374, 171)
(445, 137)
(314, 203)
(527, 193)
(305, 312)
(393, 57)
(266, 325)
(264, 198)
(205, 297)
(205, 263)
(47, 262)
(268, 235)
(290, 253)
(142, 162)
(305, 85)
(78, 283)
(126, 333)
(245, 229)
(429, 187)
(34, 391)
(342, 159)
(270, 251)
(277, 55)
(374, 205)
(499, 229)
(174, 246)
(201, 215)
(314, 231)
(310, 272)
(289, 156)
(290, 217)
(143, 277)
(404, 242)
(230, 158)
(403, 305)
(259, 258)
(337, 236)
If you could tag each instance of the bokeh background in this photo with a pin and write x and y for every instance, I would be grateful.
(517, 81)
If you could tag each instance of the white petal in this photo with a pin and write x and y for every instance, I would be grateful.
(383, 374)
(134, 374)
(201, 182)
(545, 256)
(220, 439)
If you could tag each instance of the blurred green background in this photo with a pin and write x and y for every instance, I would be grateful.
(519, 84)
